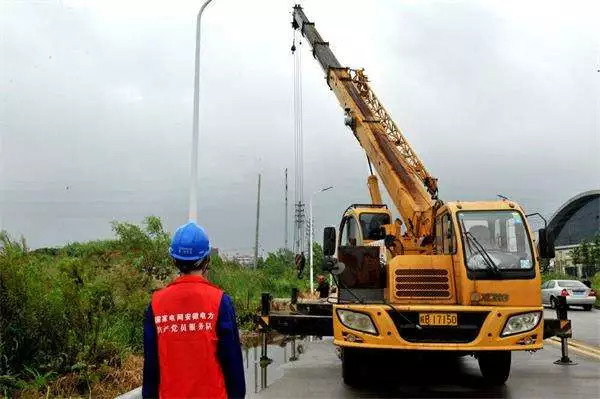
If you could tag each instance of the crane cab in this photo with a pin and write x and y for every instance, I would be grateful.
(364, 224)
(360, 246)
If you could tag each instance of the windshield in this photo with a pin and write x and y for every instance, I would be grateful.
(371, 225)
(571, 284)
(501, 234)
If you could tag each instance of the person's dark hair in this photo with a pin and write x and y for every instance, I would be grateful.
(188, 266)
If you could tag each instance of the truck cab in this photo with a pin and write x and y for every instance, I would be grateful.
(468, 291)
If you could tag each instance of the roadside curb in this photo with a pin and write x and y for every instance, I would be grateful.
(133, 394)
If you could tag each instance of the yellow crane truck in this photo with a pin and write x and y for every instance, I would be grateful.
(462, 277)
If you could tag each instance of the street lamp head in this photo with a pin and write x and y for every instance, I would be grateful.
(203, 7)
(326, 188)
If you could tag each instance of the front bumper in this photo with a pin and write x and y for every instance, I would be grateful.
(583, 300)
(479, 328)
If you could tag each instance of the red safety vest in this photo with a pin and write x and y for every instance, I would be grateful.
(185, 315)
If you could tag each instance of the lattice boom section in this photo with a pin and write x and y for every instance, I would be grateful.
(392, 131)
(422, 283)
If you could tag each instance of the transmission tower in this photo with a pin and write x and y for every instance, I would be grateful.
(299, 228)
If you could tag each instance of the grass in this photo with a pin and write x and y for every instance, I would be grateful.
(71, 317)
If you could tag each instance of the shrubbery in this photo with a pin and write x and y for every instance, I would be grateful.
(78, 310)
(587, 253)
(555, 276)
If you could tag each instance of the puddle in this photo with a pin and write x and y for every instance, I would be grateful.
(280, 355)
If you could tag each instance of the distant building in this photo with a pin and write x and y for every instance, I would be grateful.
(244, 260)
(241, 258)
(576, 220)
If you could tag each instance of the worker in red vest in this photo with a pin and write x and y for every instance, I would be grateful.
(191, 341)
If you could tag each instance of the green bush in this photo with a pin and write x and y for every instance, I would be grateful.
(595, 279)
(555, 276)
(80, 308)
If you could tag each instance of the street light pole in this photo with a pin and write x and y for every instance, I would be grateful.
(310, 240)
(193, 213)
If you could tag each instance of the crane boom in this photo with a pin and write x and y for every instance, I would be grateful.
(456, 282)
(411, 187)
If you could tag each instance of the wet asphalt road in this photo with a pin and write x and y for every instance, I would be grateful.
(318, 372)
(585, 324)
(318, 375)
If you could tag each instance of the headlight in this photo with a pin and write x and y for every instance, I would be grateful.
(521, 322)
(356, 321)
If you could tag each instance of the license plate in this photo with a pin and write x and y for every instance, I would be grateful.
(438, 319)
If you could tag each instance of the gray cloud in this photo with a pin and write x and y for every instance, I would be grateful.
(497, 97)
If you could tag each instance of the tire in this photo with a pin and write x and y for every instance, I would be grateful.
(353, 371)
(552, 303)
(495, 366)
(587, 307)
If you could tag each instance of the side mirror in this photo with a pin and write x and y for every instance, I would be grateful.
(329, 241)
(338, 268)
(545, 244)
(333, 266)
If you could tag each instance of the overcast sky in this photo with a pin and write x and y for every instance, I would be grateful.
(96, 108)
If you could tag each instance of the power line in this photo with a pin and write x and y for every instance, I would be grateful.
(299, 211)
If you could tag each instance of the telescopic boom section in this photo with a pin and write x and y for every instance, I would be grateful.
(411, 187)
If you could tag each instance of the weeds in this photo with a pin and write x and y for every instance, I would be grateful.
(71, 317)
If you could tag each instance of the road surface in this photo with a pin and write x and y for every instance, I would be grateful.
(318, 372)
(318, 375)
(586, 324)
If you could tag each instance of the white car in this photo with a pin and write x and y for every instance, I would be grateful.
(577, 293)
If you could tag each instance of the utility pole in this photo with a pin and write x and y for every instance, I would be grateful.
(285, 233)
(257, 224)
(311, 234)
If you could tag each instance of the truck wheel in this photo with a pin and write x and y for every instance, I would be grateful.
(495, 366)
(352, 370)
(587, 307)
